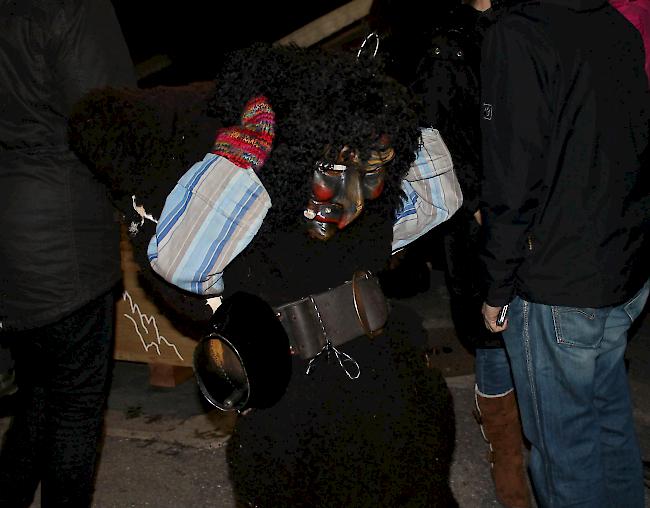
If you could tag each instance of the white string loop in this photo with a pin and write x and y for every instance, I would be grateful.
(352, 373)
(371, 34)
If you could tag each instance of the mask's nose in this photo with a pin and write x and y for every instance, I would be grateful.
(351, 198)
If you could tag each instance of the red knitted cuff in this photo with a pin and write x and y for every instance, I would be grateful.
(248, 145)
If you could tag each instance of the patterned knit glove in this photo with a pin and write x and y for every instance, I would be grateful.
(248, 145)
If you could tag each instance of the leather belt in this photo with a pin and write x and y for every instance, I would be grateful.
(354, 308)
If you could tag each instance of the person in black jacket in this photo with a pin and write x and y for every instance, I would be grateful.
(566, 210)
(448, 85)
(59, 254)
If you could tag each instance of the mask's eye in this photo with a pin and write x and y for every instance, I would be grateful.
(437, 51)
(373, 183)
(459, 53)
(327, 179)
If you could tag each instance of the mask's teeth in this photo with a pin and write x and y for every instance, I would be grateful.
(309, 214)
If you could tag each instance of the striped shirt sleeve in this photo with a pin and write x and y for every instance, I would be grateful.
(211, 215)
(432, 191)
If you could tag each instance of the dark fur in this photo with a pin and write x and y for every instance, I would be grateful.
(139, 142)
(320, 98)
(384, 440)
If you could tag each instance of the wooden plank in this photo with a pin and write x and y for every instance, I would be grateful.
(328, 24)
(143, 333)
(168, 376)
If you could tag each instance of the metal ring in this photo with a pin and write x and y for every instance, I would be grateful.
(371, 34)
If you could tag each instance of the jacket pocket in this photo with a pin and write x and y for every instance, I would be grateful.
(581, 327)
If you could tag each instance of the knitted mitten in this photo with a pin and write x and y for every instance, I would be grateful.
(248, 145)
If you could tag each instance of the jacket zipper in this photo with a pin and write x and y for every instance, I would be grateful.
(529, 241)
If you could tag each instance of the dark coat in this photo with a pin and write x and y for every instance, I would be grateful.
(60, 241)
(565, 140)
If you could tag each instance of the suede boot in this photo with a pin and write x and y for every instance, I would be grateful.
(501, 428)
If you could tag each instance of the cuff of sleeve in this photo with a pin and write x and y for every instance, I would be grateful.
(499, 295)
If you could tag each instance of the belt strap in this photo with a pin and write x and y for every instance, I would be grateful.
(354, 308)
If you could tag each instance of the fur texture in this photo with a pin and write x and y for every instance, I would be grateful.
(320, 99)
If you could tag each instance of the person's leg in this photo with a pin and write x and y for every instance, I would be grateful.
(81, 360)
(619, 446)
(554, 389)
(493, 373)
(21, 451)
(7, 377)
(557, 356)
(6, 361)
(62, 372)
(498, 416)
(496, 407)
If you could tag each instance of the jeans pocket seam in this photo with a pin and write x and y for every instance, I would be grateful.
(557, 327)
(560, 338)
(641, 294)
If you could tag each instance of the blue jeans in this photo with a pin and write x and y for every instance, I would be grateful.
(574, 400)
(493, 373)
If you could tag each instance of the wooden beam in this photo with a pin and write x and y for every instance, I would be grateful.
(329, 24)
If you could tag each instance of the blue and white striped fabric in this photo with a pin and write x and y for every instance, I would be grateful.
(217, 208)
(432, 191)
(211, 215)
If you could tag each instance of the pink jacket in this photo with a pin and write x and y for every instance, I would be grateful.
(638, 13)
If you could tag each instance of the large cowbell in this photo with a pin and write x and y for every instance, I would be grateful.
(245, 360)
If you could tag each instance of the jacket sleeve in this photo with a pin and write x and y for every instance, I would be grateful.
(87, 49)
(516, 72)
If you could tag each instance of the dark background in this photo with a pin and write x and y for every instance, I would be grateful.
(195, 34)
(192, 36)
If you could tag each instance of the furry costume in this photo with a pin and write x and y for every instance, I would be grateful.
(138, 142)
(386, 438)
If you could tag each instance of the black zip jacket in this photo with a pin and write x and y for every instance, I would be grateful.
(59, 245)
(565, 135)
